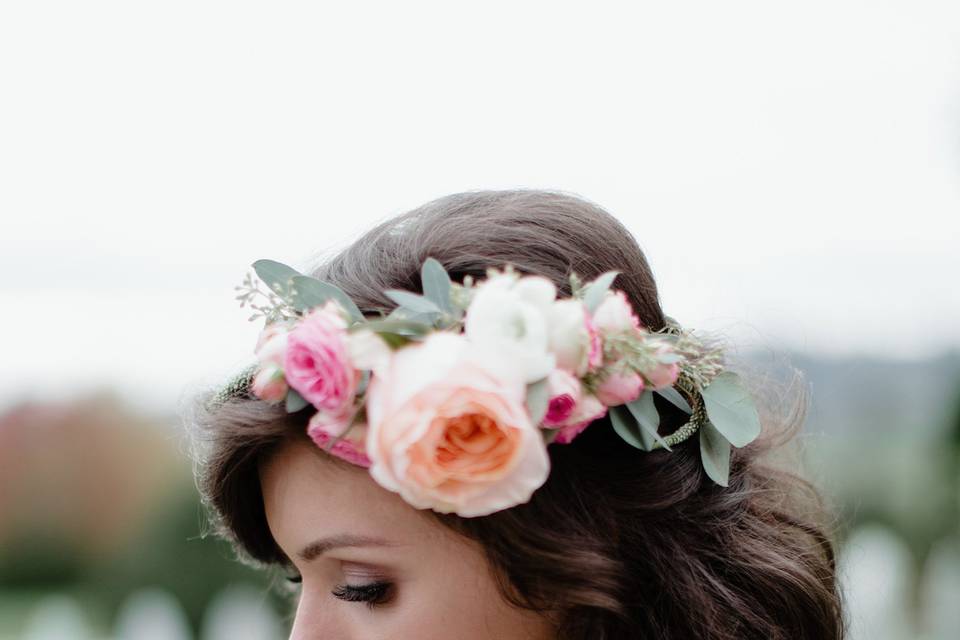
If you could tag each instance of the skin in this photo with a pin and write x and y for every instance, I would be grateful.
(441, 584)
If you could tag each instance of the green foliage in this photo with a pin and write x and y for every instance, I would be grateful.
(295, 401)
(594, 292)
(731, 409)
(627, 428)
(645, 413)
(675, 398)
(715, 454)
(437, 285)
(310, 292)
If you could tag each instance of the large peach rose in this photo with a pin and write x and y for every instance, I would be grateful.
(448, 428)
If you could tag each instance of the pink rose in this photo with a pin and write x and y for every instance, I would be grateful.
(620, 388)
(317, 362)
(565, 393)
(595, 355)
(615, 315)
(272, 344)
(588, 410)
(664, 374)
(448, 428)
(269, 384)
(351, 447)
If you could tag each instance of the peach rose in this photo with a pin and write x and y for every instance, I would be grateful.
(448, 428)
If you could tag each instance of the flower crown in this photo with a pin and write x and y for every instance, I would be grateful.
(452, 398)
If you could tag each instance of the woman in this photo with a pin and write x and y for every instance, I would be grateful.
(600, 532)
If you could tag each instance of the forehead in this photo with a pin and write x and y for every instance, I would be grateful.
(307, 494)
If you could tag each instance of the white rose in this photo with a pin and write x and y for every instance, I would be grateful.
(569, 338)
(614, 314)
(508, 314)
(367, 350)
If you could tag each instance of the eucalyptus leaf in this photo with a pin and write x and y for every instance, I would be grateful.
(412, 301)
(295, 401)
(675, 397)
(715, 454)
(595, 291)
(402, 313)
(648, 417)
(436, 284)
(398, 327)
(313, 293)
(626, 426)
(276, 275)
(731, 409)
(538, 400)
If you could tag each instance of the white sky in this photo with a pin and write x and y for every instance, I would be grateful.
(792, 170)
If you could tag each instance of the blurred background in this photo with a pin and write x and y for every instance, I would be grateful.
(792, 171)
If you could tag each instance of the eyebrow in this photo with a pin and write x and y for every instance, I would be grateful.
(318, 547)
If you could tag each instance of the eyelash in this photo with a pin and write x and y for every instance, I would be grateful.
(373, 594)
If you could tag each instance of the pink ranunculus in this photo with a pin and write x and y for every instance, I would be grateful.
(317, 363)
(664, 374)
(615, 314)
(269, 384)
(565, 391)
(588, 410)
(620, 388)
(323, 428)
(448, 428)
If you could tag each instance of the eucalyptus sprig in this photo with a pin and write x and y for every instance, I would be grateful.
(278, 306)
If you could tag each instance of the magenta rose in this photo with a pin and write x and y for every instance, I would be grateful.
(317, 362)
(565, 392)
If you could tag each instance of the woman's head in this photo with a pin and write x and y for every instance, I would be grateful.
(617, 543)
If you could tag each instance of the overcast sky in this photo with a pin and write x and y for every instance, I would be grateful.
(792, 170)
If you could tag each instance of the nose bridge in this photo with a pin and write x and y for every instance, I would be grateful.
(318, 620)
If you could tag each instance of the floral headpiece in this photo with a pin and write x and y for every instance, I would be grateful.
(452, 398)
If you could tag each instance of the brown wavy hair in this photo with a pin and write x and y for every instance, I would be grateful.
(618, 543)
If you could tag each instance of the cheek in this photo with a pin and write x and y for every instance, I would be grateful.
(455, 597)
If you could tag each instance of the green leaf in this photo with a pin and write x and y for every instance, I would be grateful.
(647, 415)
(295, 401)
(311, 293)
(595, 291)
(715, 454)
(412, 301)
(626, 426)
(398, 327)
(436, 284)
(276, 275)
(675, 397)
(538, 400)
(731, 409)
